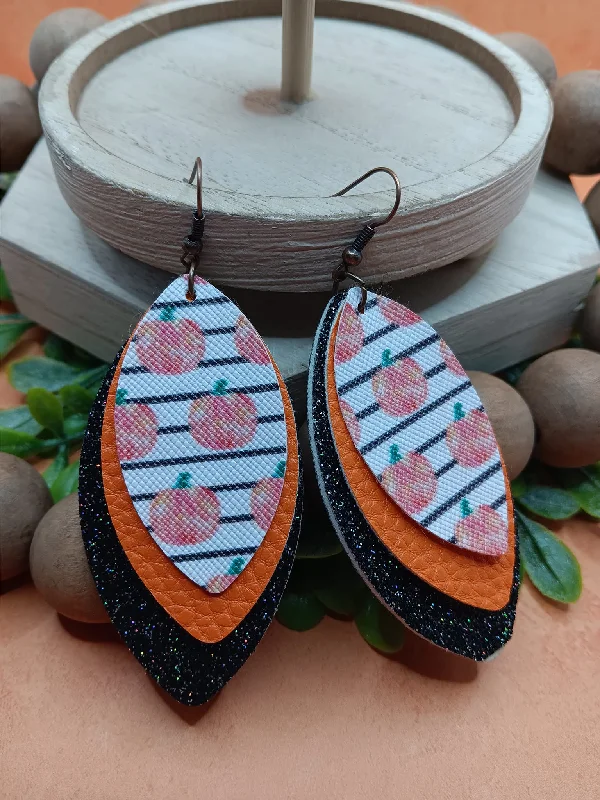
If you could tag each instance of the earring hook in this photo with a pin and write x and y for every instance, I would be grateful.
(352, 255)
(197, 171)
(392, 174)
(192, 244)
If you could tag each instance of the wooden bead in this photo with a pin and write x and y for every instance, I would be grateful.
(534, 52)
(19, 123)
(562, 389)
(59, 566)
(56, 32)
(511, 420)
(592, 206)
(590, 320)
(574, 142)
(24, 499)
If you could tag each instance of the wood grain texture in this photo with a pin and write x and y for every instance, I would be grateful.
(518, 300)
(459, 116)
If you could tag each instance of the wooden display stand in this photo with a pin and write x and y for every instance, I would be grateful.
(518, 300)
(459, 116)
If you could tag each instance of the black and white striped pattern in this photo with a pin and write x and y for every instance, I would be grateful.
(424, 431)
(231, 474)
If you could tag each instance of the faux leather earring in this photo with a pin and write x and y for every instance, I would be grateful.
(190, 487)
(409, 467)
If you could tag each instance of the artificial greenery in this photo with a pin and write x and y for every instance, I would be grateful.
(60, 387)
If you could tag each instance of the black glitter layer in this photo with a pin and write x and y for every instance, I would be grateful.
(466, 630)
(189, 670)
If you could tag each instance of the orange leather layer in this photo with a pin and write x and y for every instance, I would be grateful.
(207, 617)
(474, 579)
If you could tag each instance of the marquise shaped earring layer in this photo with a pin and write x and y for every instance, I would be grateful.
(411, 475)
(190, 486)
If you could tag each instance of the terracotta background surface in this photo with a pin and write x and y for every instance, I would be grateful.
(313, 715)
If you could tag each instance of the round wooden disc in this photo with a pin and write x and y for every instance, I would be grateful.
(461, 118)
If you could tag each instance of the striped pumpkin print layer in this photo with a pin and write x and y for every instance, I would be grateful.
(454, 597)
(419, 424)
(200, 433)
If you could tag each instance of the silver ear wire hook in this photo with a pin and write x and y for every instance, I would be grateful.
(352, 255)
(192, 244)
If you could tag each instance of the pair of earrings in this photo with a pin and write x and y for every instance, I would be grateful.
(191, 481)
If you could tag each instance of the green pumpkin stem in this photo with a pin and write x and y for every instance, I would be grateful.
(279, 470)
(458, 412)
(386, 359)
(184, 481)
(395, 455)
(220, 387)
(121, 397)
(465, 508)
(167, 314)
(236, 566)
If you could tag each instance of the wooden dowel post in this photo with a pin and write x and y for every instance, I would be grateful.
(298, 24)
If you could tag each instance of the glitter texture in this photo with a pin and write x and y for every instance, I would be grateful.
(459, 628)
(189, 670)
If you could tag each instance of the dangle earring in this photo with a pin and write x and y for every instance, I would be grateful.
(190, 487)
(409, 468)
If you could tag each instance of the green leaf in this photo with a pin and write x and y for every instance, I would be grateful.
(551, 566)
(6, 181)
(44, 373)
(58, 349)
(61, 350)
(56, 467)
(317, 538)
(66, 482)
(518, 486)
(19, 419)
(5, 293)
(300, 612)
(12, 327)
(19, 443)
(548, 502)
(379, 627)
(584, 485)
(342, 590)
(46, 409)
(92, 378)
(76, 399)
(75, 426)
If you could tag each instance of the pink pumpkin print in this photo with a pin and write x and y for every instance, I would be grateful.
(248, 343)
(265, 497)
(397, 314)
(470, 437)
(409, 480)
(482, 530)
(136, 428)
(349, 337)
(185, 514)
(219, 583)
(451, 360)
(169, 347)
(399, 388)
(351, 421)
(222, 421)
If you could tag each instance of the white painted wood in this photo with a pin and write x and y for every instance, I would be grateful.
(518, 300)
(297, 49)
(459, 116)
